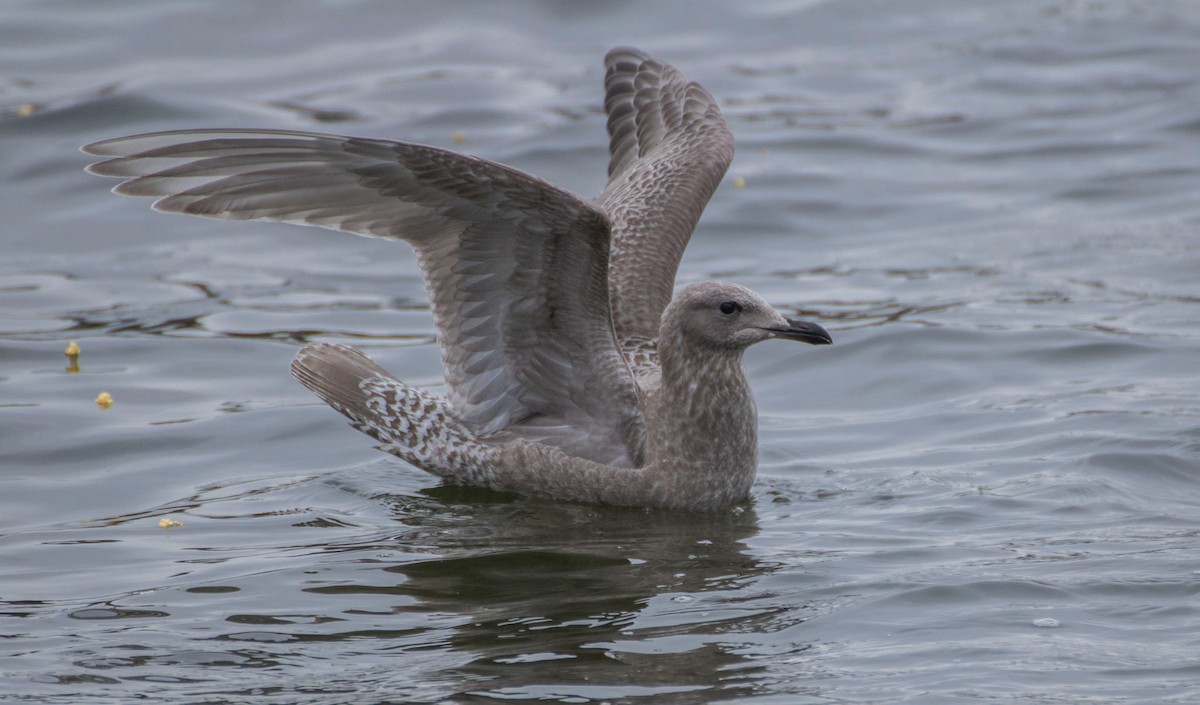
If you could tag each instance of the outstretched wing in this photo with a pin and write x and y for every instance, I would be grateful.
(670, 147)
(516, 268)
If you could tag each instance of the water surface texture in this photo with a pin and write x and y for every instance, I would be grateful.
(987, 491)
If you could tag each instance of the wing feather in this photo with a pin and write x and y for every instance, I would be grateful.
(516, 268)
(669, 147)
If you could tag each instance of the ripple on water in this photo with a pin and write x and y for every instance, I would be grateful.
(993, 207)
(41, 302)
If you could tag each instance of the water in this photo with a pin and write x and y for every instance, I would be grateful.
(987, 490)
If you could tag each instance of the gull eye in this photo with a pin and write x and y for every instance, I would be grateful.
(730, 307)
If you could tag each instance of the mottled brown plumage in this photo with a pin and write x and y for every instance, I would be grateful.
(670, 148)
(571, 372)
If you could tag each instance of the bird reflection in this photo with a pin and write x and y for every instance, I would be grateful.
(559, 598)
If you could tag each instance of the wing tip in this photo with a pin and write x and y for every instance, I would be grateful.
(104, 167)
(112, 146)
(616, 54)
(99, 148)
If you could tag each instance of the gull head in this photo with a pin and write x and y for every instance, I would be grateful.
(725, 316)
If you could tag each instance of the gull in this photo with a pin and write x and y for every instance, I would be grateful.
(573, 373)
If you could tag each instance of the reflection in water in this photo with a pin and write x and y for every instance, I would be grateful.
(477, 592)
(553, 597)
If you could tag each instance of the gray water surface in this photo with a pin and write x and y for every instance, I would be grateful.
(988, 490)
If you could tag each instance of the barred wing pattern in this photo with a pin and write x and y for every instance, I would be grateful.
(669, 149)
(516, 268)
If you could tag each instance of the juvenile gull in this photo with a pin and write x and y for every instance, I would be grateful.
(572, 373)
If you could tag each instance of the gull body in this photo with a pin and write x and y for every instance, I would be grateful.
(572, 372)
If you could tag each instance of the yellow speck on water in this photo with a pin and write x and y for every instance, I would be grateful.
(26, 110)
(459, 138)
(72, 353)
(104, 401)
(166, 523)
(739, 182)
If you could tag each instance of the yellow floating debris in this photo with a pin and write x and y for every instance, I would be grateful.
(72, 353)
(104, 401)
(166, 523)
(459, 138)
(26, 110)
(739, 182)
